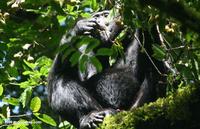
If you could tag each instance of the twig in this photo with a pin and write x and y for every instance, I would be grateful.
(161, 37)
(167, 63)
(148, 55)
(16, 116)
(183, 47)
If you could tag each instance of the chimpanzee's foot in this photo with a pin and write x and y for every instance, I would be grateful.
(91, 120)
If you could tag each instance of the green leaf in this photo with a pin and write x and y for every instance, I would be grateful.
(122, 35)
(35, 104)
(75, 58)
(12, 101)
(61, 19)
(21, 124)
(94, 5)
(112, 60)
(113, 14)
(82, 63)
(158, 52)
(36, 124)
(63, 47)
(25, 84)
(96, 63)
(26, 96)
(84, 40)
(67, 52)
(104, 52)
(2, 54)
(86, 3)
(13, 71)
(66, 124)
(70, 8)
(3, 46)
(1, 121)
(1, 89)
(91, 46)
(14, 39)
(30, 65)
(45, 118)
(27, 73)
(44, 61)
(44, 71)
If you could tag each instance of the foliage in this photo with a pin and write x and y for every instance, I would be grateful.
(30, 33)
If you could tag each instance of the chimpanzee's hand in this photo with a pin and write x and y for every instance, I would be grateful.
(85, 26)
(91, 120)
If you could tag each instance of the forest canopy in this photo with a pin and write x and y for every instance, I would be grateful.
(31, 30)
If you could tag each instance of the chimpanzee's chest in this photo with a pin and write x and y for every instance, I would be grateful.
(117, 89)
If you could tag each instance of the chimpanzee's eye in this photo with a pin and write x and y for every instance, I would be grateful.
(96, 15)
(106, 14)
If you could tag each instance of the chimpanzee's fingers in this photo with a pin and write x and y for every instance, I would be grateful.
(91, 24)
(89, 126)
(98, 120)
(86, 33)
(94, 125)
(88, 28)
(100, 115)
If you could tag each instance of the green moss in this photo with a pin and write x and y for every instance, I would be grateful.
(178, 111)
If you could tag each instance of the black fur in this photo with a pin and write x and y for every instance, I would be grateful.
(128, 84)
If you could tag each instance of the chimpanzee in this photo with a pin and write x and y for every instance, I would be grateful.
(85, 99)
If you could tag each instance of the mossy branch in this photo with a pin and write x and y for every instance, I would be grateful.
(178, 111)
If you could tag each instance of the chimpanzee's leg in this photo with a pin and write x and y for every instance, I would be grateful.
(71, 100)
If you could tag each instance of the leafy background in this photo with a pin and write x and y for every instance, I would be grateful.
(30, 32)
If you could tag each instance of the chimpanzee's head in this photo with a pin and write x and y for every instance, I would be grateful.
(106, 29)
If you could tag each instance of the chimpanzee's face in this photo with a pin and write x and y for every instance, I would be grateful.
(106, 29)
(101, 18)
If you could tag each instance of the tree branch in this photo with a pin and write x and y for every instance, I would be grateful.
(177, 111)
